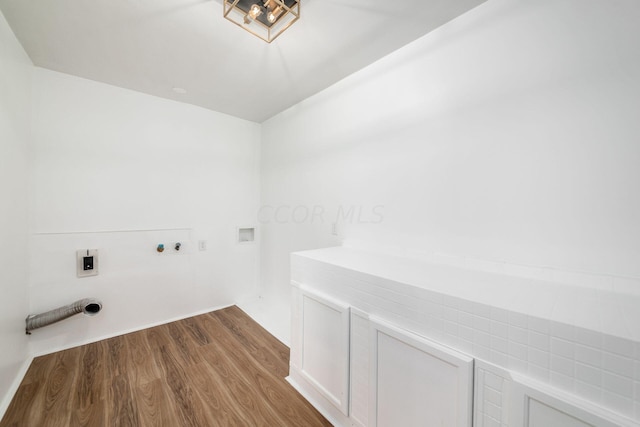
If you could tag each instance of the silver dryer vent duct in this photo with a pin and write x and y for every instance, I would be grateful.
(88, 306)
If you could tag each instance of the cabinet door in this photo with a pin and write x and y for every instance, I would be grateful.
(416, 382)
(536, 405)
(324, 358)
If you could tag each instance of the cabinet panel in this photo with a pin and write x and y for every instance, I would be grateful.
(416, 382)
(537, 405)
(325, 346)
(541, 415)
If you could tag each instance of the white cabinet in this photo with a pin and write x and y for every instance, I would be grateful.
(323, 357)
(537, 405)
(416, 382)
(361, 350)
(360, 370)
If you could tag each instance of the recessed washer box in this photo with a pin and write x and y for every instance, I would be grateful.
(246, 234)
(87, 262)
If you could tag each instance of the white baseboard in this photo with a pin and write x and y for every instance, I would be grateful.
(6, 400)
(126, 331)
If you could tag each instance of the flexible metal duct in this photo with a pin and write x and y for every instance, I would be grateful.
(88, 306)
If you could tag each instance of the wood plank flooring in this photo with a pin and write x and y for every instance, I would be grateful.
(216, 369)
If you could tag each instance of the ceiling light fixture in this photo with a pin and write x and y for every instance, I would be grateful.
(266, 19)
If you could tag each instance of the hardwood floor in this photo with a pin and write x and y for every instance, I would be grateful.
(216, 369)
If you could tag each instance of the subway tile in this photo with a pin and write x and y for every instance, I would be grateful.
(588, 374)
(562, 365)
(519, 335)
(588, 355)
(465, 319)
(482, 324)
(518, 351)
(562, 347)
(588, 338)
(465, 332)
(538, 340)
(499, 344)
(451, 328)
(618, 364)
(482, 338)
(499, 329)
(617, 384)
(538, 357)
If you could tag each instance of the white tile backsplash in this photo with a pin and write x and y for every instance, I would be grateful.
(499, 344)
(538, 357)
(518, 335)
(562, 365)
(588, 355)
(499, 329)
(538, 340)
(617, 384)
(589, 374)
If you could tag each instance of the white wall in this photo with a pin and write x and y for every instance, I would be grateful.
(509, 134)
(15, 93)
(121, 172)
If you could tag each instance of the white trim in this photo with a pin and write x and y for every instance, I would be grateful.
(126, 331)
(13, 388)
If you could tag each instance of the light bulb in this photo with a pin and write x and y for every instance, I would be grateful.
(272, 16)
(255, 11)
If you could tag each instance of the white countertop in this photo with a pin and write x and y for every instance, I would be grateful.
(602, 311)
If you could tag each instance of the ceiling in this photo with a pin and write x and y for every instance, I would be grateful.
(153, 46)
